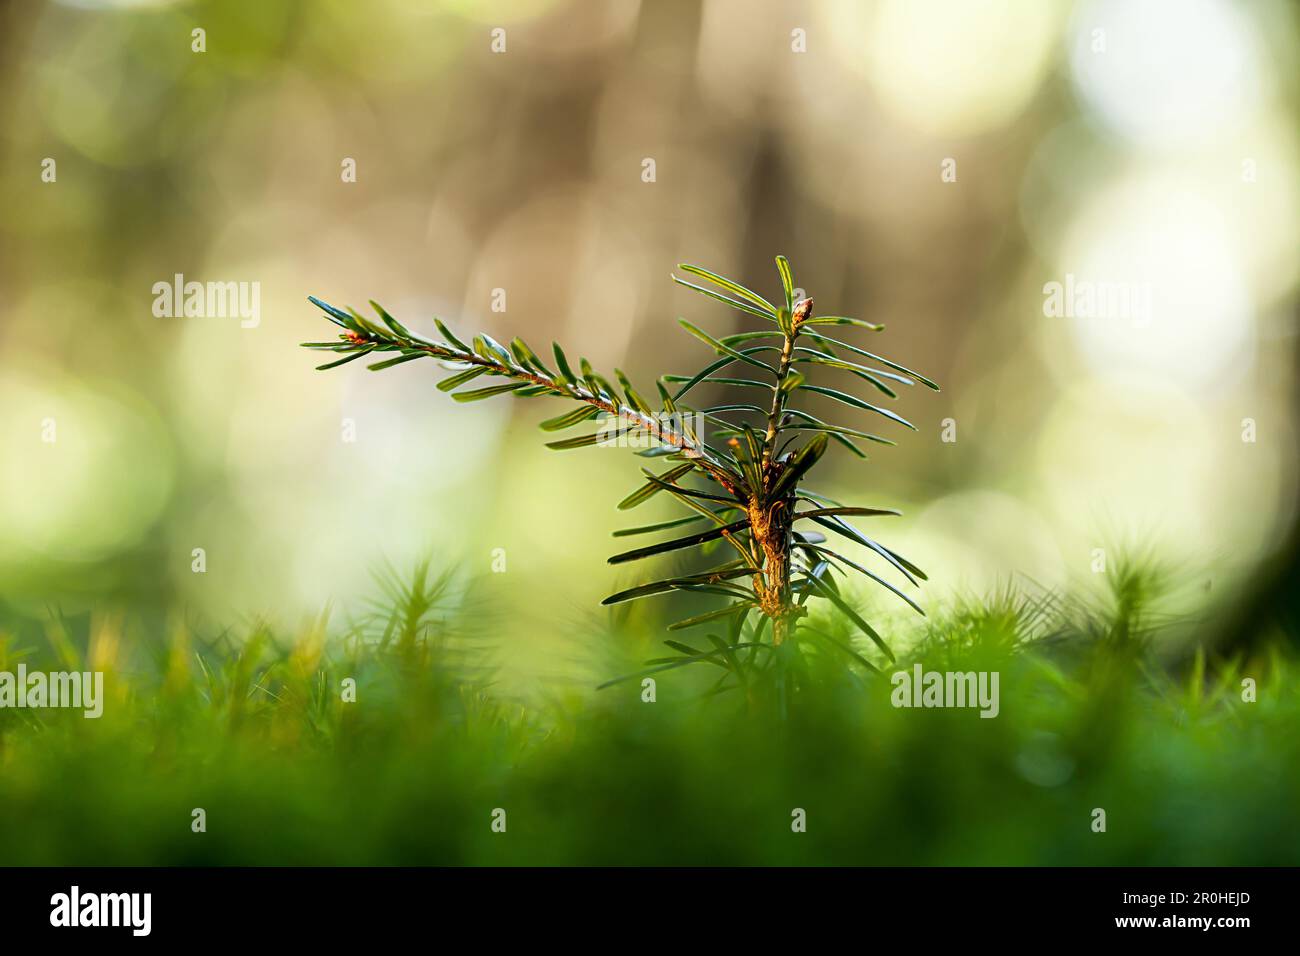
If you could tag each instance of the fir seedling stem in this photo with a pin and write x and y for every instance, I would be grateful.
(772, 521)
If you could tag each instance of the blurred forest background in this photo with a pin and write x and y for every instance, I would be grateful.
(928, 165)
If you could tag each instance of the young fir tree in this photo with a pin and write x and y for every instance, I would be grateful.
(738, 467)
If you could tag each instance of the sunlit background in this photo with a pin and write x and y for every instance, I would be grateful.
(934, 166)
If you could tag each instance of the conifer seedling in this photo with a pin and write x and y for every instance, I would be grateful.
(738, 467)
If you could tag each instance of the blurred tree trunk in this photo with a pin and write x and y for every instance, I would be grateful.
(1273, 605)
